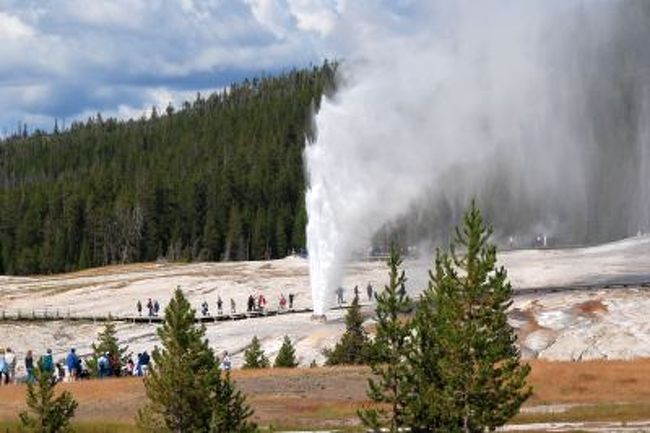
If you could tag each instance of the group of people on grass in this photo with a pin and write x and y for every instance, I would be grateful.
(71, 368)
(9, 366)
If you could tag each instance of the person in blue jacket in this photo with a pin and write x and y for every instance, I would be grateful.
(72, 362)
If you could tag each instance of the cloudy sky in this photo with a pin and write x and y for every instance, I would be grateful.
(69, 59)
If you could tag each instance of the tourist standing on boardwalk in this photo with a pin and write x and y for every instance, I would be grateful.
(339, 295)
(138, 307)
(232, 305)
(291, 297)
(369, 291)
(219, 305)
(205, 308)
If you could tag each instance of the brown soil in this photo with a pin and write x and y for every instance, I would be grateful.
(326, 396)
(591, 308)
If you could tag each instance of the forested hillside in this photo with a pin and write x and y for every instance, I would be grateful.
(220, 178)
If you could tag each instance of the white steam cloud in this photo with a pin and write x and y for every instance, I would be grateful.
(539, 109)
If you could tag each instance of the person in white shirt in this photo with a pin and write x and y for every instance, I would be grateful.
(10, 360)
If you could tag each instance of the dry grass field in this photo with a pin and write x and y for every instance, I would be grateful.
(329, 397)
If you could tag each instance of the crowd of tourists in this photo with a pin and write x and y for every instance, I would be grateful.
(340, 299)
(254, 304)
(71, 368)
(153, 307)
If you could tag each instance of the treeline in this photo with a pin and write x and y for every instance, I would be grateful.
(221, 178)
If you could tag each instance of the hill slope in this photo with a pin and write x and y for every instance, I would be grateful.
(221, 178)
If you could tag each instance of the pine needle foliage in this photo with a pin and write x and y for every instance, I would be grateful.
(107, 342)
(466, 365)
(354, 346)
(233, 413)
(46, 413)
(254, 356)
(393, 389)
(287, 355)
(185, 386)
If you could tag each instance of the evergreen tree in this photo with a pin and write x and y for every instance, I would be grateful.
(107, 191)
(254, 356)
(287, 355)
(107, 342)
(231, 413)
(354, 346)
(46, 413)
(469, 374)
(394, 387)
(185, 388)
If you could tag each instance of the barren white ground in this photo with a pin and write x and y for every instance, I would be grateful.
(566, 325)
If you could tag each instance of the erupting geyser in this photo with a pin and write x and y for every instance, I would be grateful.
(539, 109)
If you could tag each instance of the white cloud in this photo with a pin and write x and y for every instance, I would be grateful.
(273, 15)
(315, 15)
(83, 55)
(13, 28)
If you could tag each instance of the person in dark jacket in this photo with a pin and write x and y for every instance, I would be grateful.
(29, 366)
(219, 305)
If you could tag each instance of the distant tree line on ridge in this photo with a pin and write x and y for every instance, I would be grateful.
(221, 178)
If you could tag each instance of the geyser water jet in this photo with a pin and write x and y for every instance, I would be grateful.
(538, 109)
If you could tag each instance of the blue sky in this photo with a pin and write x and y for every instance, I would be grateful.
(69, 59)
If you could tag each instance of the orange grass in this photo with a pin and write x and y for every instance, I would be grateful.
(325, 396)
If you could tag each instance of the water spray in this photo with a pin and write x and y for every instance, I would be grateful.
(537, 109)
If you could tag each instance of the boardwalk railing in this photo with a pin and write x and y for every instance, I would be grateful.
(56, 314)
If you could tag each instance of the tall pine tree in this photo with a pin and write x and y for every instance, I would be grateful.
(393, 388)
(469, 375)
(185, 388)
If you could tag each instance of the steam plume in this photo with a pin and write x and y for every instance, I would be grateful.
(539, 109)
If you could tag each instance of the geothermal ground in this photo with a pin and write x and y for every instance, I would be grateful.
(570, 304)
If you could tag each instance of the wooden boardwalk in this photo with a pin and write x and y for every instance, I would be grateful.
(53, 314)
(50, 315)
